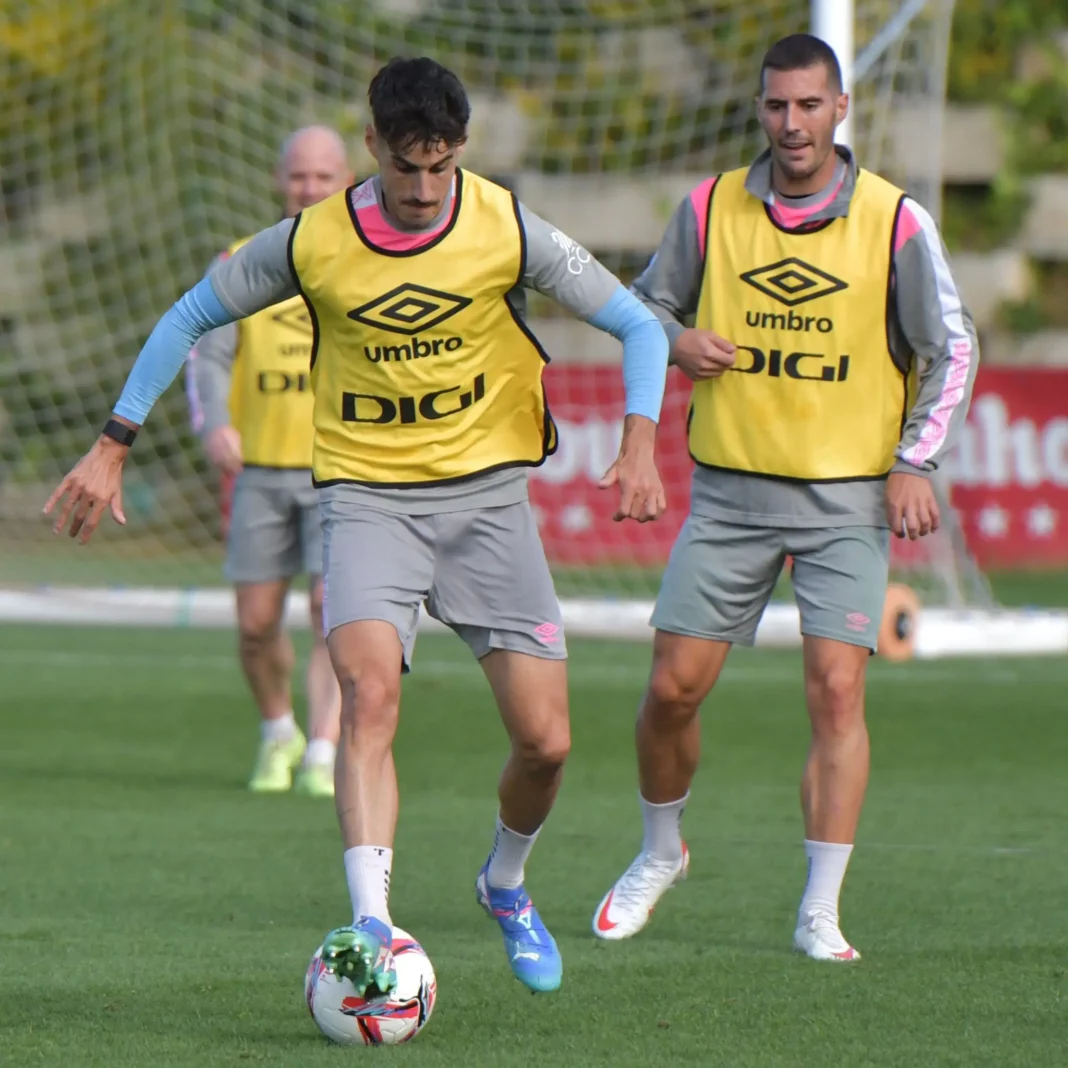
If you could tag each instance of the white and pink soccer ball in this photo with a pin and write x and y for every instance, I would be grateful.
(351, 1020)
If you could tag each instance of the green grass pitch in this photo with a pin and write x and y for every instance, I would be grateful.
(153, 913)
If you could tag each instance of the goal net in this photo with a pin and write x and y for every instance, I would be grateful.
(139, 139)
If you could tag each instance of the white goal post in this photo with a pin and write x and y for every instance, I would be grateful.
(833, 21)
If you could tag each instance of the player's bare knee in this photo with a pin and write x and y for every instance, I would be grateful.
(555, 745)
(545, 754)
(257, 629)
(544, 746)
(836, 699)
(369, 702)
(673, 696)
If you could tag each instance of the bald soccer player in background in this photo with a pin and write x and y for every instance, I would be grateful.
(251, 402)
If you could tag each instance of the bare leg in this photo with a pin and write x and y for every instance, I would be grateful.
(367, 662)
(836, 772)
(324, 694)
(265, 648)
(832, 788)
(668, 741)
(532, 696)
(668, 733)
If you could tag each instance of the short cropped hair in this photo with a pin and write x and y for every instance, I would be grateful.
(800, 51)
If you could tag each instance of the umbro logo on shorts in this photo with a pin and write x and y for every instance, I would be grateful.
(409, 309)
(792, 281)
(547, 633)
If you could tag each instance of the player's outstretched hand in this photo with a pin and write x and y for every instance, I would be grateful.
(911, 507)
(641, 493)
(224, 449)
(95, 483)
(700, 354)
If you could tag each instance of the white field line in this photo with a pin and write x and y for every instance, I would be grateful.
(611, 675)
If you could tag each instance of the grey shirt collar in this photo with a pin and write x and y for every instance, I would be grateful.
(758, 183)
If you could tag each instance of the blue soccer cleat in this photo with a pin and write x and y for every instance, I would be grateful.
(531, 950)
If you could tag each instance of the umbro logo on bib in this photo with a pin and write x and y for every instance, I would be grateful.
(295, 318)
(409, 309)
(792, 281)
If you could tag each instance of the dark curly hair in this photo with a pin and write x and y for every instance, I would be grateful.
(418, 102)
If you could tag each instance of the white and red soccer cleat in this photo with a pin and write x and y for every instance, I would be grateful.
(818, 936)
(627, 907)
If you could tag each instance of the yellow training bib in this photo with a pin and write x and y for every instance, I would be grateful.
(814, 394)
(270, 393)
(422, 374)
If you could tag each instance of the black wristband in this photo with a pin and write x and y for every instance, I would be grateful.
(120, 432)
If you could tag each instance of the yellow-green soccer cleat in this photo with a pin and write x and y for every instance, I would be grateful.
(315, 780)
(273, 773)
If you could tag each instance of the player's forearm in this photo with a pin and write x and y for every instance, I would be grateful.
(212, 394)
(667, 319)
(212, 378)
(941, 333)
(166, 349)
(645, 352)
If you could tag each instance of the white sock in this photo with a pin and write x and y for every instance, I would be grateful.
(367, 873)
(281, 729)
(663, 835)
(320, 751)
(509, 857)
(827, 863)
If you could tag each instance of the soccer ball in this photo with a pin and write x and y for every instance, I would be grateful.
(345, 1017)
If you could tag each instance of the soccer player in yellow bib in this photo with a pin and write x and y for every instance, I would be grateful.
(429, 410)
(251, 399)
(832, 363)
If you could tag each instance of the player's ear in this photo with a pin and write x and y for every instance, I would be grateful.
(841, 108)
(370, 140)
(761, 114)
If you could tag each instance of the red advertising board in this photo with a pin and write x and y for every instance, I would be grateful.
(1010, 472)
(574, 514)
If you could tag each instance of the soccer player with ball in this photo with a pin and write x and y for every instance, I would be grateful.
(832, 362)
(251, 401)
(429, 409)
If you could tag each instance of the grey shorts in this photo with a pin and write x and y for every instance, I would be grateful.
(482, 572)
(721, 575)
(274, 526)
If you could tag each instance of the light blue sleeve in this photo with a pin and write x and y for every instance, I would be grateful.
(645, 351)
(167, 347)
